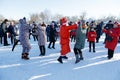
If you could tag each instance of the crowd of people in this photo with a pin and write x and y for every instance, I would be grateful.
(66, 31)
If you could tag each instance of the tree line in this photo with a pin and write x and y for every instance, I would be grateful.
(47, 17)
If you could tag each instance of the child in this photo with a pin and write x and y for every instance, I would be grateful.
(91, 39)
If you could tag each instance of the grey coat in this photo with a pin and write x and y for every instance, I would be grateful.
(40, 31)
(80, 38)
(24, 34)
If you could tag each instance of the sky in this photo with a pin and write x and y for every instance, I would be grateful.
(17, 9)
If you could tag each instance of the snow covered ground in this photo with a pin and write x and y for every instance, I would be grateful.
(95, 66)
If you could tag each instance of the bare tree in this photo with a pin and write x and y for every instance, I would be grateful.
(56, 17)
(83, 15)
(74, 18)
(45, 16)
(35, 18)
(1, 18)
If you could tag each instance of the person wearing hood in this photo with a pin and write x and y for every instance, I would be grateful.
(111, 42)
(24, 38)
(80, 40)
(65, 38)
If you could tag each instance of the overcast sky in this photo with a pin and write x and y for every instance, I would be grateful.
(17, 9)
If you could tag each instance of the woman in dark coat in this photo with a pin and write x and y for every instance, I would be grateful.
(52, 36)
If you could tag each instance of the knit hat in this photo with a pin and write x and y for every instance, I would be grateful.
(63, 20)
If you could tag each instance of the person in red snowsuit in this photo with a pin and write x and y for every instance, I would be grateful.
(65, 38)
(91, 39)
(112, 40)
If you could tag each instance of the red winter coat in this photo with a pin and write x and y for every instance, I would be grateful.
(91, 36)
(114, 33)
(64, 38)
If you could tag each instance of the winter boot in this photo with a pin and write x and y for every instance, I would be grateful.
(25, 56)
(94, 51)
(77, 58)
(81, 56)
(89, 50)
(53, 47)
(49, 47)
(65, 57)
(60, 59)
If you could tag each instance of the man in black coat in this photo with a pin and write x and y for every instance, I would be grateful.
(4, 28)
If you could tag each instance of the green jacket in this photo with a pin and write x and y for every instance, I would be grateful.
(80, 38)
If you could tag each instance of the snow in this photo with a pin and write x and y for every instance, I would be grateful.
(95, 66)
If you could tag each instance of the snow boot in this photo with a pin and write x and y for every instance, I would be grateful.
(89, 50)
(94, 51)
(25, 56)
(81, 56)
(60, 59)
(77, 58)
(65, 57)
(53, 47)
(49, 47)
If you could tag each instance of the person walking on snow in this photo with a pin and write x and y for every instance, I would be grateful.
(65, 38)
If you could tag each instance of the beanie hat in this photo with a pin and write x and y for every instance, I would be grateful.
(63, 20)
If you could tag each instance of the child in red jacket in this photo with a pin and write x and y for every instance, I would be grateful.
(91, 39)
